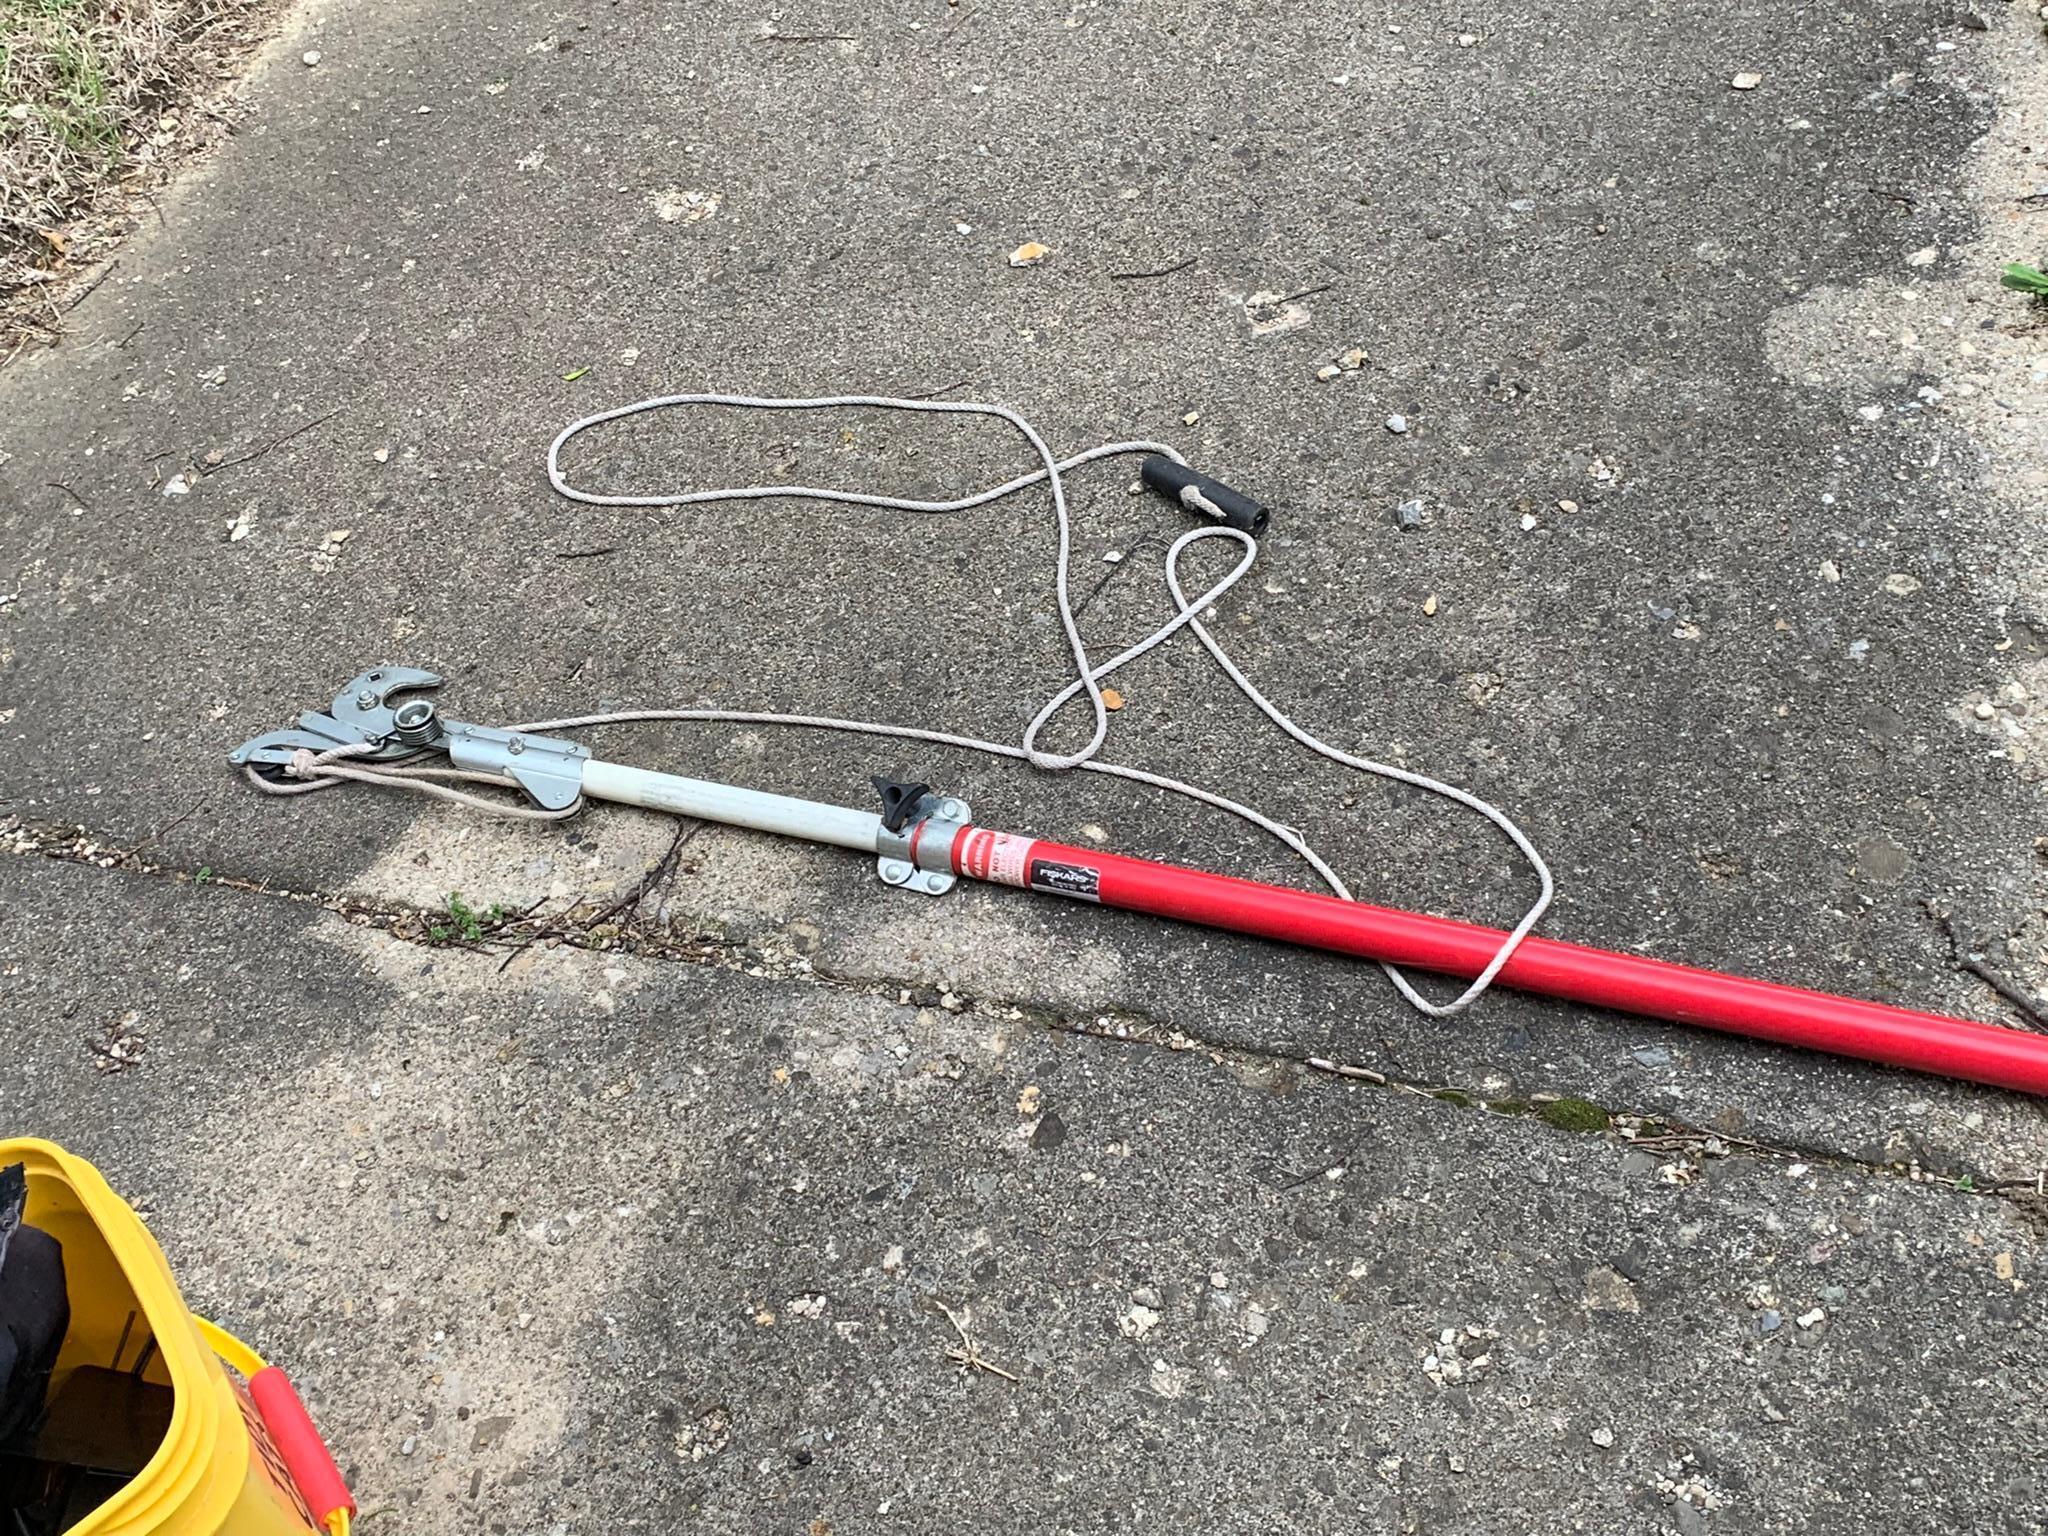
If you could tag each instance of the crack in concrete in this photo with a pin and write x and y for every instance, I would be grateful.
(591, 926)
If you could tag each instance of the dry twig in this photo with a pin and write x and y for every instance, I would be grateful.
(967, 1354)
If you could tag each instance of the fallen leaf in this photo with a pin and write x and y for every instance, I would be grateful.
(573, 375)
(242, 526)
(1027, 1101)
(1111, 699)
(1029, 254)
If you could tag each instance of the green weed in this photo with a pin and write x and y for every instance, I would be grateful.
(460, 923)
(2031, 281)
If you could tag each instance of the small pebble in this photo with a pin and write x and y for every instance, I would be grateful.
(1408, 515)
(1829, 572)
(1328, 372)
(1603, 1437)
(1984, 710)
(1747, 81)
(1926, 256)
(1768, 1321)
(1870, 412)
(310, 57)
(1397, 424)
(1528, 522)
(1809, 1319)
(1567, 506)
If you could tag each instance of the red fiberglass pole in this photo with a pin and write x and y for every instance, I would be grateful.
(1657, 989)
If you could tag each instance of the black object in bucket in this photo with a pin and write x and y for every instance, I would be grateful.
(34, 1310)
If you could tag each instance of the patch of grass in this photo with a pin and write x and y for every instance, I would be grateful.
(78, 107)
(83, 86)
(1581, 1115)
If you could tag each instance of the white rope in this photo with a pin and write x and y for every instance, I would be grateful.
(309, 770)
(1088, 677)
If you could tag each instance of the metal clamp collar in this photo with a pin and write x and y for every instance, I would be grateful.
(918, 854)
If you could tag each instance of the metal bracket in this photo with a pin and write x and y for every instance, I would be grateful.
(919, 856)
(548, 768)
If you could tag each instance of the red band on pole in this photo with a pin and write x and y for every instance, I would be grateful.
(1658, 989)
(298, 1442)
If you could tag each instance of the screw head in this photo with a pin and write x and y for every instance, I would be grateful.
(366, 700)
(952, 810)
(936, 883)
(515, 746)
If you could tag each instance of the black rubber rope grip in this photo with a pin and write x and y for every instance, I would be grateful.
(1170, 479)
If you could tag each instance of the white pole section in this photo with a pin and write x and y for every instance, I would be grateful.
(736, 807)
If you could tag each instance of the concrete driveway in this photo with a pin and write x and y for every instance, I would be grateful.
(1728, 584)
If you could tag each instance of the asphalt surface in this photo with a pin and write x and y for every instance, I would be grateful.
(1586, 270)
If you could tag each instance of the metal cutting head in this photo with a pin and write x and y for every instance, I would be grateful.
(363, 713)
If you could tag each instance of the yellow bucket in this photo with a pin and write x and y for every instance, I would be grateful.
(240, 1456)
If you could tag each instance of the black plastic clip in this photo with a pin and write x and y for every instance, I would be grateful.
(1182, 485)
(899, 801)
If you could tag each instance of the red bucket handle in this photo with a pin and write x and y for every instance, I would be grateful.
(298, 1442)
(305, 1455)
